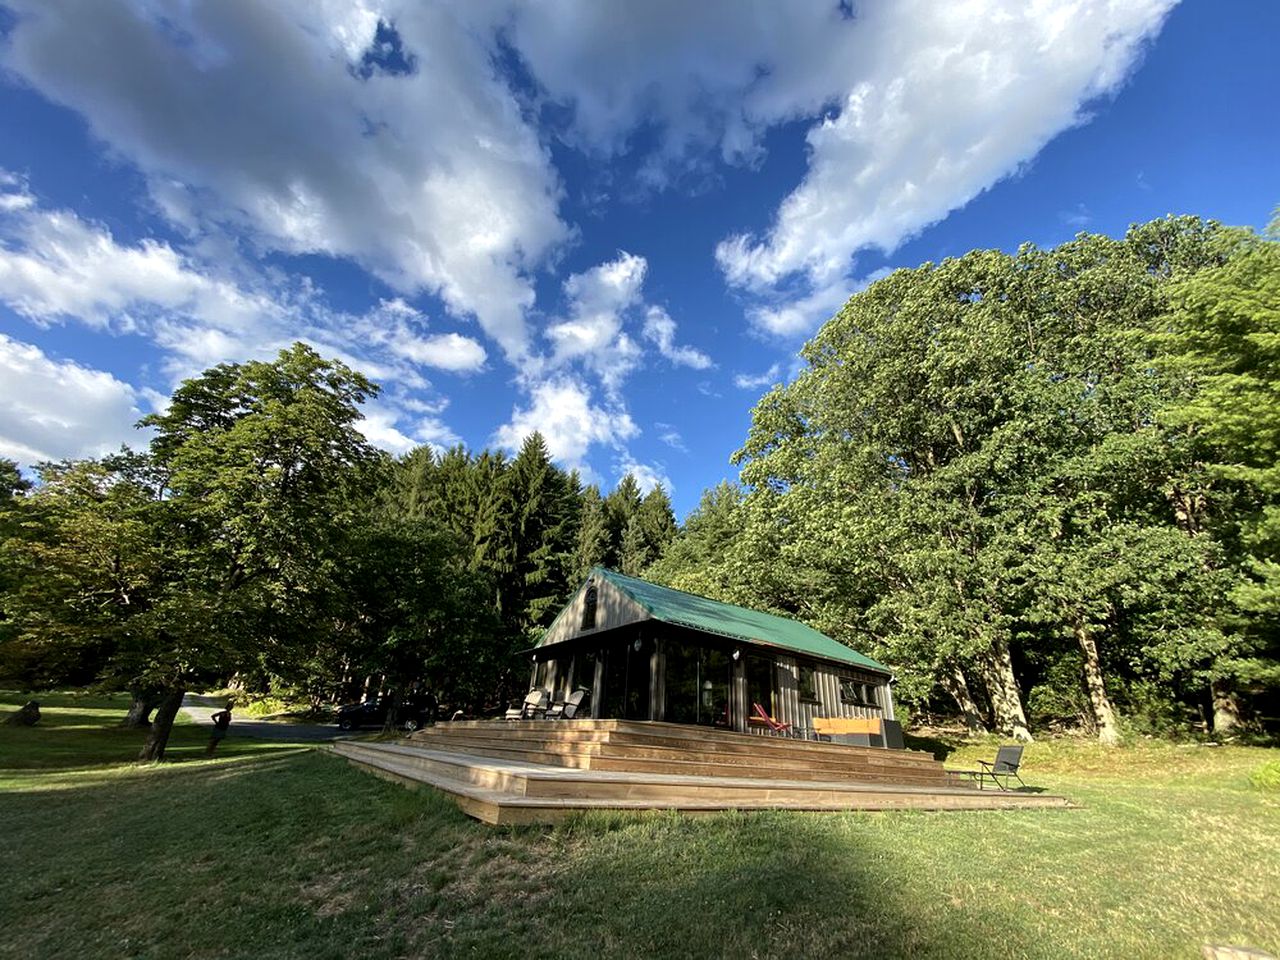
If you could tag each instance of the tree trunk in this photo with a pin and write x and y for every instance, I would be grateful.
(957, 687)
(144, 701)
(1104, 714)
(158, 735)
(391, 720)
(1002, 687)
(1226, 709)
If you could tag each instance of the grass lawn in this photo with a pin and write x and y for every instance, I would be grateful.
(274, 850)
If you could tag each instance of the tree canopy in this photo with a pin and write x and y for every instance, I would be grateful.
(1043, 486)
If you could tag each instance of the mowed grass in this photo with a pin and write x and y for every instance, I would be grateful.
(274, 850)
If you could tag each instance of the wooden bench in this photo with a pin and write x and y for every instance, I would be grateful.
(860, 731)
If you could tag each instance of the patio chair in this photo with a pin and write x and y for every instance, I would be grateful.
(775, 726)
(1005, 765)
(566, 709)
(535, 702)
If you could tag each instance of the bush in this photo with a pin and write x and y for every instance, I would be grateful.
(1266, 777)
(1150, 709)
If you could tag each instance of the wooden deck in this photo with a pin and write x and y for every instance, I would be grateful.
(541, 771)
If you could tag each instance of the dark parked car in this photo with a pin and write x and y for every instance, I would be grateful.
(416, 710)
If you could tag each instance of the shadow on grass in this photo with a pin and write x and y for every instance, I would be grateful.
(79, 733)
(940, 747)
(769, 884)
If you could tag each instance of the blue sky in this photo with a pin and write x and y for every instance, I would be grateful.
(612, 222)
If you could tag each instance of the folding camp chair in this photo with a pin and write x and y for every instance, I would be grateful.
(775, 726)
(1005, 765)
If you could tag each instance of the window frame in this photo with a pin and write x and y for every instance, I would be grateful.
(590, 605)
(865, 695)
(811, 694)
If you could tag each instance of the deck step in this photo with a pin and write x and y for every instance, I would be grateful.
(643, 747)
(503, 791)
(607, 757)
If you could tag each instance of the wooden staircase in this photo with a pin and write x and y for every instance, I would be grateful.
(539, 771)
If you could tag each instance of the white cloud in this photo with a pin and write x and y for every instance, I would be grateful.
(398, 326)
(384, 418)
(561, 410)
(660, 330)
(648, 476)
(944, 101)
(53, 266)
(591, 333)
(447, 351)
(700, 72)
(57, 267)
(57, 408)
(753, 381)
(671, 437)
(279, 120)
(915, 107)
(800, 315)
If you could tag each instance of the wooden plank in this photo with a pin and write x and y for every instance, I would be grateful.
(553, 793)
(620, 745)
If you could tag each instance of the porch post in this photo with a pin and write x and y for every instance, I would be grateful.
(657, 680)
(597, 684)
(888, 700)
(740, 694)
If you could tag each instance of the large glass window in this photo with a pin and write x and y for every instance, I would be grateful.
(626, 681)
(638, 677)
(584, 678)
(612, 703)
(760, 683)
(697, 684)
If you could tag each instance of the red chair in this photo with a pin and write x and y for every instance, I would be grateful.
(762, 716)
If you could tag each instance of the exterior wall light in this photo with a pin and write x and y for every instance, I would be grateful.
(737, 655)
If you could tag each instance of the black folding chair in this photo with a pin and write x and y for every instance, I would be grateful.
(1004, 766)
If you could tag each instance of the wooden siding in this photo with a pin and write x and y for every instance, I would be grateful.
(613, 609)
(789, 708)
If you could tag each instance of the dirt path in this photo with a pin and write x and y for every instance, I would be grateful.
(201, 710)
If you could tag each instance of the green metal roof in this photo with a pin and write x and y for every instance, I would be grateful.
(730, 620)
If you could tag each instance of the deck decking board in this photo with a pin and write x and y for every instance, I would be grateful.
(541, 772)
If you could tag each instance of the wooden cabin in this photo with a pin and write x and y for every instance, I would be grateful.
(646, 652)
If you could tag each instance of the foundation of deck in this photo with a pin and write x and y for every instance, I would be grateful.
(542, 771)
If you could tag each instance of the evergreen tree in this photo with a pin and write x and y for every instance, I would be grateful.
(657, 522)
(593, 539)
(694, 560)
(620, 507)
(544, 532)
(633, 552)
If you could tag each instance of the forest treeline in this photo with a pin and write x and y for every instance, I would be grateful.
(261, 540)
(1042, 486)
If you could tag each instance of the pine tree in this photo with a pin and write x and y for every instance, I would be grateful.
(657, 522)
(620, 507)
(693, 560)
(633, 552)
(544, 534)
(593, 539)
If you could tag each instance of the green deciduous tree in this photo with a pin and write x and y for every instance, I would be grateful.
(972, 467)
(1223, 338)
(265, 468)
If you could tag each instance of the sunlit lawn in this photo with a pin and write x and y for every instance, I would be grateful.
(273, 850)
